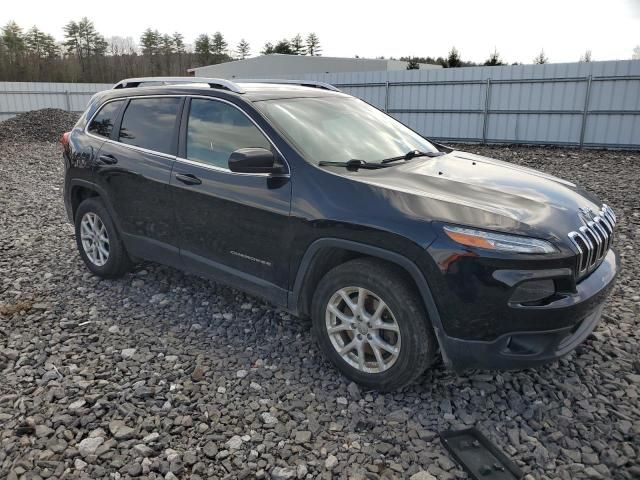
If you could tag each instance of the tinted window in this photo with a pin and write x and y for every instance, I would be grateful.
(216, 129)
(102, 123)
(149, 123)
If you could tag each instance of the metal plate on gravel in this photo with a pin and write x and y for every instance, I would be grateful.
(481, 459)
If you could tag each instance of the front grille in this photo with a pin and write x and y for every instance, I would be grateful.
(593, 239)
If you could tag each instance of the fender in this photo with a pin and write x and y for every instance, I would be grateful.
(75, 182)
(377, 252)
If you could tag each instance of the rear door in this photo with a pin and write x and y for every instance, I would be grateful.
(134, 169)
(232, 226)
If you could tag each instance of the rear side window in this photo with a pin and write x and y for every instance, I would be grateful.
(149, 123)
(102, 123)
(215, 129)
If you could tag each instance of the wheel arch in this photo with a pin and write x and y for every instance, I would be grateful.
(80, 190)
(315, 264)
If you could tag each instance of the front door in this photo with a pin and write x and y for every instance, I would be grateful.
(234, 227)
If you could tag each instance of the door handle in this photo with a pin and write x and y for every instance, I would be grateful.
(188, 179)
(108, 159)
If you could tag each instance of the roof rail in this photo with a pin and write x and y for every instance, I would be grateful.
(213, 82)
(302, 83)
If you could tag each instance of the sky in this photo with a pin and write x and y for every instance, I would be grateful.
(518, 29)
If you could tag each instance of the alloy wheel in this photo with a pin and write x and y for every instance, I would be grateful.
(363, 329)
(95, 239)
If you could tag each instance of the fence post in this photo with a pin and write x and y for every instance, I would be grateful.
(386, 96)
(585, 112)
(67, 100)
(485, 114)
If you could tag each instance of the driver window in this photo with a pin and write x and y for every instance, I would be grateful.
(215, 129)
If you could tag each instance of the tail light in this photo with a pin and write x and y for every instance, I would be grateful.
(64, 140)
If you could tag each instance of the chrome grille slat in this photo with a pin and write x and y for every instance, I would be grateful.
(593, 240)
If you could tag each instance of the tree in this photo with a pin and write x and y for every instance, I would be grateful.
(121, 46)
(297, 45)
(167, 47)
(40, 44)
(313, 45)
(586, 57)
(150, 42)
(413, 64)
(202, 49)
(268, 49)
(636, 53)
(82, 39)
(541, 58)
(453, 60)
(13, 41)
(283, 47)
(494, 59)
(178, 43)
(243, 49)
(85, 43)
(218, 44)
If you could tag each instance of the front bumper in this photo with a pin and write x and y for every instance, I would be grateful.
(580, 313)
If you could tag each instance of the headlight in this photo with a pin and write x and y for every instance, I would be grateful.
(498, 241)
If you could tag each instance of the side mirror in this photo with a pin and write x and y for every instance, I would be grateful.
(252, 160)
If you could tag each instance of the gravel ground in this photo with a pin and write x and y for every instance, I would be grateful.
(165, 375)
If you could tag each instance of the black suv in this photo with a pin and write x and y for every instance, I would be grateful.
(396, 247)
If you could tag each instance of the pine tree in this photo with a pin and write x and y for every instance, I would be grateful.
(178, 43)
(313, 45)
(150, 42)
(202, 49)
(413, 64)
(13, 41)
(243, 49)
(453, 60)
(218, 44)
(297, 45)
(284, 47)
(268, 49)
(541, 58)
(167, 47)
(82, 39)
(494, 59)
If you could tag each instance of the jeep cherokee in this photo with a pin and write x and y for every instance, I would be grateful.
(399, 249)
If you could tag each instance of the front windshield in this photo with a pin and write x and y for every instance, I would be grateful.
(339, 129)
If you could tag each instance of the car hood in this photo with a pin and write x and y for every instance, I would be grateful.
(469, 189)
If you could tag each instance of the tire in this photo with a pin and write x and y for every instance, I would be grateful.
(116, 262)
(376, 281)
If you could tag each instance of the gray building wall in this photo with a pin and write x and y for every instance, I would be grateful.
(276, 65)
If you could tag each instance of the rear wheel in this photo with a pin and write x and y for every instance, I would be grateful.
(98, 241)
(370, 322)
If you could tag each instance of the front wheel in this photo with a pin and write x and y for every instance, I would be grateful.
(370, 322)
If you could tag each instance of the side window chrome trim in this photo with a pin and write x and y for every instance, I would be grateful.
(208, 166)
(140, 149)
(185, 160)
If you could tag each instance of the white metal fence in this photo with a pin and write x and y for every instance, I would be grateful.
(594, 104)
(18, 97)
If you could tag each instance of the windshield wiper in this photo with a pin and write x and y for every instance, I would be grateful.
(353, 164)
(412, 154)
